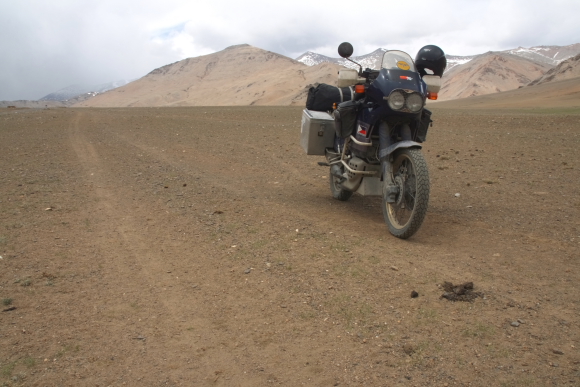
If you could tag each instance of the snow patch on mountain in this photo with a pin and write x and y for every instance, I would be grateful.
(549, 55)
(372, 60)
(73, 91)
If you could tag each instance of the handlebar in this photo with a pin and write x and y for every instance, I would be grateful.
(370, 74)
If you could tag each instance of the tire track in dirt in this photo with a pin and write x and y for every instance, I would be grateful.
(244, 296)
(222, 344)
(137, 266)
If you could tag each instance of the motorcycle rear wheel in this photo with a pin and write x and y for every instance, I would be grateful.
(410, 174)
(338, 192)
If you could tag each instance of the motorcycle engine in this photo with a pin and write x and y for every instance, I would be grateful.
(353, 180)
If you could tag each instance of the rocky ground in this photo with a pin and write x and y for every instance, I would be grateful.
(201, 246)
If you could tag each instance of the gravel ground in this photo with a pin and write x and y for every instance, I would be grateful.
(201, 246)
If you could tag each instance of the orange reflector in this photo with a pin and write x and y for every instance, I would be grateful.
(359, 89)
(432, 95)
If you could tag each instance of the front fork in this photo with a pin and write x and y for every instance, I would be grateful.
(386, 141)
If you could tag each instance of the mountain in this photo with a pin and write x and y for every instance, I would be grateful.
(455, 60)
(489, 73)
(246, 75)
(556, 94)
(310, 58)
(567, 69)
(468, 76)
(372, 60)
(73, 91)
(237, 75)
(550, 55)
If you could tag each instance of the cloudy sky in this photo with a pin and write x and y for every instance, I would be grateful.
(48, 45)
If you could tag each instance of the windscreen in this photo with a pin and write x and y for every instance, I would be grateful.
(398, 60)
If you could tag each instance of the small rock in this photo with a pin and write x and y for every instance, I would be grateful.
(521, 321)
(557, 351)
(414, 294)
(457, 195)
(409, 349)
(515, 324)
(395, 268)
(248, 270)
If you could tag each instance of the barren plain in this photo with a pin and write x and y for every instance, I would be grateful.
(199, 246)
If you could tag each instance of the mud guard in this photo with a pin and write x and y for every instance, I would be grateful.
(401, 144)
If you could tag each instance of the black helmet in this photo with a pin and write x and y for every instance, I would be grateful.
(431, 57)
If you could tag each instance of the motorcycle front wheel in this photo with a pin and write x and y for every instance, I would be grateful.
(410, 176)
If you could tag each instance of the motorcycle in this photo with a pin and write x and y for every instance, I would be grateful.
(375, 149)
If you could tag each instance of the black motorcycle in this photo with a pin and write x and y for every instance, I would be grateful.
(378, 131)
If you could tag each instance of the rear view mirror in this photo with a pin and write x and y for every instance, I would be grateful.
(345, 50)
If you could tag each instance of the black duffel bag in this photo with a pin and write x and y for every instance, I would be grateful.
(345, 118)
(323, 97)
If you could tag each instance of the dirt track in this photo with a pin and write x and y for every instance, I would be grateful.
(200, 246)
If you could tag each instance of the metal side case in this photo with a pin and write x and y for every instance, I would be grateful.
(317, 132)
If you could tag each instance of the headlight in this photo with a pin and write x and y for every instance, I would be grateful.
(396, 100)
(414, 102)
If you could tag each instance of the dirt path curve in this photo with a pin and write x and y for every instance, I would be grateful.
(199, 246)
(140, 259)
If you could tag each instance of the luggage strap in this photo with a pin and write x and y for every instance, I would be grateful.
(342, 96)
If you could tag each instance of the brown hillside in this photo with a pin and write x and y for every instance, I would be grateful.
(556, 94)
(490, 73)
(567, 69)
(238, 75)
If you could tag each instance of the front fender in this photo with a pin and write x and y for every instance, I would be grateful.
(399, 145)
